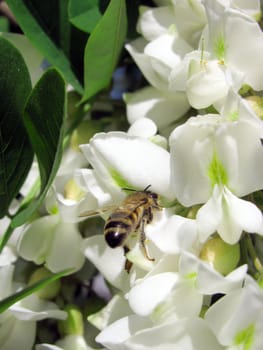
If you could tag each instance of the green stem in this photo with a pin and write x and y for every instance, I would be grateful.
(251, 250)
(6, 237)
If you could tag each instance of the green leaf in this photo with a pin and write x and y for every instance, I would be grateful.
(12, 299)
(44, 23)
(16, 154)
(44, 120)
(31, 55)
(103, 48)
(84, 14)
(4, 24)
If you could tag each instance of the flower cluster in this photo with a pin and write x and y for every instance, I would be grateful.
(189, 275)
(207, 174)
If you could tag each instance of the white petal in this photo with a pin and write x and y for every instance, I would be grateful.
(207, 280)
(97, 196)
(143, 127)
(47, 347)
(238, 215)
(67, 242)
(210, 282)
(240, 151)
(118, 332)
(34, 243)
(15, 334)
(210, 215)
(185, 334)
(132, 161)
(190, 20)
(116, 309)
(33, 308)
(7, 256)
(247, 58)
(197, 133)
(97, 251)
(144, 62)
(76, 342)
(173, 234)
(143, 301)
(180, 73)
(154, 22)
(166, 52)
(6, 276)
(206, 86)
(231, 315)
(161, 107)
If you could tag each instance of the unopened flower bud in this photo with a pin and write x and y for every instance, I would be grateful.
(51, 290)
(222, 255)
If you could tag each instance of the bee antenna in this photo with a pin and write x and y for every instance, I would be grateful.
(128, 189)
(146, 188)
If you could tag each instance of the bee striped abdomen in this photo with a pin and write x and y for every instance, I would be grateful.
(119, 225)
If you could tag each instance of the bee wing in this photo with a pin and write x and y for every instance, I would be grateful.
(98, 212)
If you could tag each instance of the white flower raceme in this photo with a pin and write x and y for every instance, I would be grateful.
(171, 294)
(235, 319)
(214, 160)
(222, 62)
(18, 323)
(169, 32)
(202, 57)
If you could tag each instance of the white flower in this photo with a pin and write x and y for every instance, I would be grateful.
(18, 323)
(225, 19)
(173, 234)
(48, 240)
(97, 251)
(179, 293)
(154, 22)
(162, 107)
(123, 161)
(135, 332)
(143, 127)
(224, 153)
(229, 216)
(188, 18)
(235, 319)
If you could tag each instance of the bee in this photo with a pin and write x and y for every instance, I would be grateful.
(132, 215)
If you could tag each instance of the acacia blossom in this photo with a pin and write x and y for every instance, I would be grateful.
(224, 169)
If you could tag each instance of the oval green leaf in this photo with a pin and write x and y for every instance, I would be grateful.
(103, 48)
(44, 120)
(33, 17)
(84, 14)
(16, 154)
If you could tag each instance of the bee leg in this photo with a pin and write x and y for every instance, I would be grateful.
(128, 264)
(143, 239)
(149, 215)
